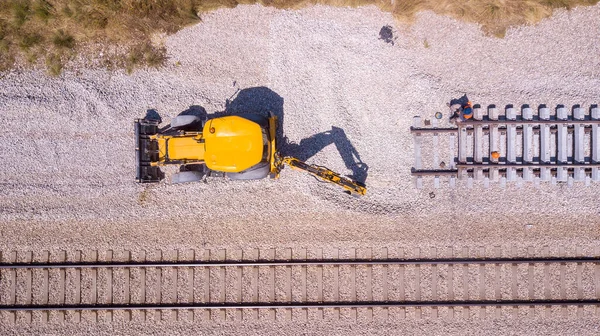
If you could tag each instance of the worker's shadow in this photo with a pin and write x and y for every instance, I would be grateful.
(262, 100)
(462, 100)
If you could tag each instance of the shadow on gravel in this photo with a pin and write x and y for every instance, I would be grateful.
(262, 100)
(462, 100)
(258, 100)
(152, 114)
(308, 147)
(386, 34)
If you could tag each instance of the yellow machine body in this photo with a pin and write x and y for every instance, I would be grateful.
(188, 148)
(228, 144)
(233, 144)
(273, 147)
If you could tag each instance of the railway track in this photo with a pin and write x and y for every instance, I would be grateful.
(562, 146)
(210, 285)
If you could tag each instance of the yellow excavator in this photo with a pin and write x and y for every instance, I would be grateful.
(240, 147)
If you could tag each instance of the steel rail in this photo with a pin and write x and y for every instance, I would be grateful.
(486, 129)
(526, 165)
(434, 172)
(532, 122)
(500, 167)
(433, 130)
(302, 305)
(234, 263)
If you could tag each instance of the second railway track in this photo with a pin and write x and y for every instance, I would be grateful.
(304, 287)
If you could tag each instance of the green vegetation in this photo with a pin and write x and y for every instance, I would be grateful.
(55, 30)
(63, 40)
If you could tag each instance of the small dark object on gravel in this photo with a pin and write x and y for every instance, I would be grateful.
(432, 195)
(386, 34)
(152, 114)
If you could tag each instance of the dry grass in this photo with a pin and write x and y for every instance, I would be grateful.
(495, 16)
(55, 30)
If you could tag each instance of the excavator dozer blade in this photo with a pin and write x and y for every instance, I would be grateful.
(146, 152)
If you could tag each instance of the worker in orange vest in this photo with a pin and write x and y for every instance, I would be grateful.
(461, 112)
(467, 111)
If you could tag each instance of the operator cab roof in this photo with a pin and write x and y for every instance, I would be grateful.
(233, 144)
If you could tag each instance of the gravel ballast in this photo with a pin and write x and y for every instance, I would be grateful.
(68, 153)
(67, 143)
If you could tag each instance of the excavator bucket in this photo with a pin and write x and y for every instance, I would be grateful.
(146, 152)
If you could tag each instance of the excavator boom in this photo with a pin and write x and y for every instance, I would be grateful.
(325, 174)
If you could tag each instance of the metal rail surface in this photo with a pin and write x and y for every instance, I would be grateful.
(304, 305)
(321, 262)
(207, 285)
(562, 147)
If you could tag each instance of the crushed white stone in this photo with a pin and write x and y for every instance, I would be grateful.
(67, 148)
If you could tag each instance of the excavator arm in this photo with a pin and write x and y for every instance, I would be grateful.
(322, 173)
